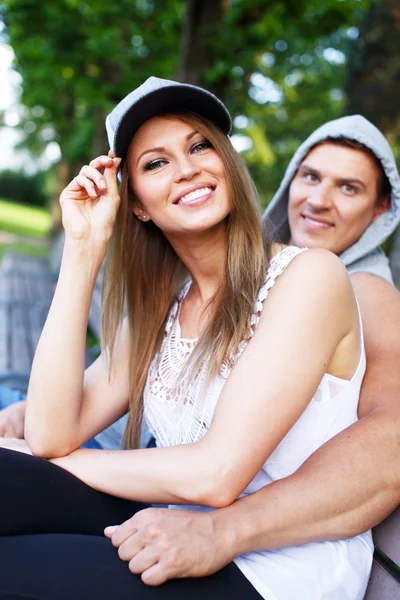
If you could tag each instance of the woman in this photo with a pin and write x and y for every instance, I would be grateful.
(242, 356)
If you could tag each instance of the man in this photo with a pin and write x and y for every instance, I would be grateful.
(341, 191)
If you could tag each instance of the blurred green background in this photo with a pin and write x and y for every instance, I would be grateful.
(282, 67)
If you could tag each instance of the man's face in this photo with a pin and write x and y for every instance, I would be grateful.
(333, 198)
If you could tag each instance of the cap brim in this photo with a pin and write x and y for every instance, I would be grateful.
(169, 99)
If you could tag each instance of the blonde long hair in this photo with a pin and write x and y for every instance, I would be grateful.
(143, 276)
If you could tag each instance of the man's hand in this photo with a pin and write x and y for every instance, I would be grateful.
(12, 420)
(162, 544)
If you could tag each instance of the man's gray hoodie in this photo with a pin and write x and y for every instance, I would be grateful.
(365, 254)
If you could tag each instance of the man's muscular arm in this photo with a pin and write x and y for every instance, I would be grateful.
(352, 482)
(347, 486)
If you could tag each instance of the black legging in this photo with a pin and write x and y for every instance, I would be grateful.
(52, 545)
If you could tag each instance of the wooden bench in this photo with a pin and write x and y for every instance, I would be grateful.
(384, 583)
(95, 306)
(26, 289)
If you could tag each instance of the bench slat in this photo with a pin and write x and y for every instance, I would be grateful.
(21, 347)
(387, 537)
(26, 291)
(3, 338)
(382, 586)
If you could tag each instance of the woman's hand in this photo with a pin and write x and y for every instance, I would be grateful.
(12, 420)
(90, 202)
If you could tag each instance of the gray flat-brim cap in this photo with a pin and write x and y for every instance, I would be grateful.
(156, 96)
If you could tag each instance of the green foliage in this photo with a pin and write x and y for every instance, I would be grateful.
(280, 63)
(22, 187)
(78, 59)
(283, 64)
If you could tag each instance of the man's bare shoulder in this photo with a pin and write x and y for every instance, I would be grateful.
(379, 300)
(372, 284)
(379, 303)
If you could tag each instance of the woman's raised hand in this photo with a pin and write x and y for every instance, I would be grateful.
(90, 202)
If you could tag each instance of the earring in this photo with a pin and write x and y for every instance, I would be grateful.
(144, 217)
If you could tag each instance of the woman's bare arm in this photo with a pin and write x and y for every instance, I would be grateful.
(66, 406)
(258, 405)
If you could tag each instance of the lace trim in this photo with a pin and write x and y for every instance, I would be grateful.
(175, 307)
(277, 265)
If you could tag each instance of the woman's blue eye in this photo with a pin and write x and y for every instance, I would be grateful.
(154, 164)
(157, 163)
(200, 146)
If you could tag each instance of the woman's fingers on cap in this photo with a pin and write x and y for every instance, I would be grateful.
(100, 162)
(110, 176)
(87, 184)
(93, 174)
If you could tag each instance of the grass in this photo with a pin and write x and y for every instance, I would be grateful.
(24, 249)
(27, 221)
(23, 219)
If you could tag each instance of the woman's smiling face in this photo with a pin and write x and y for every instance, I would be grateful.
(178, 177)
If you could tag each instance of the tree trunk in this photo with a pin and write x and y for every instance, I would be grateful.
(203, 21)
(100, 143)
(373, 72)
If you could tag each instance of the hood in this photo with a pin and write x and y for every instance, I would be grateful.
(361, 130)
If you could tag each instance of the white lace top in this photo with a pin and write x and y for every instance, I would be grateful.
(176, 417)
(335, 570)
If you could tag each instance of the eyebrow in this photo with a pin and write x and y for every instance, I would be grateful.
(305, 167)
(342, 180)
(162, 148)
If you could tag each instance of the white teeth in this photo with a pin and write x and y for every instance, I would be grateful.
(194, 195)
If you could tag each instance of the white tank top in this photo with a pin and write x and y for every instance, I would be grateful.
(182, 414)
